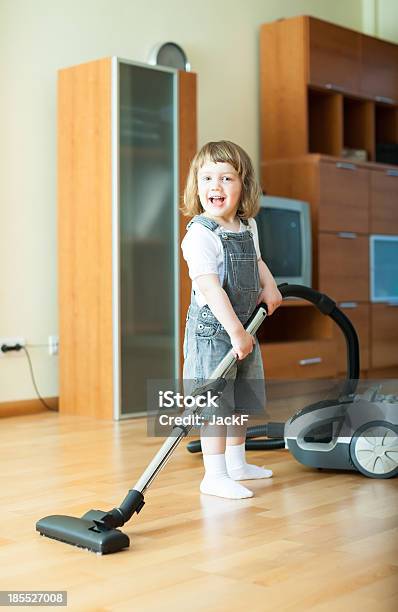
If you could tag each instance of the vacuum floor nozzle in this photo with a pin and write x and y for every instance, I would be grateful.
(83, 532)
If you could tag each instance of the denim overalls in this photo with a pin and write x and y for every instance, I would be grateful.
(206, 342)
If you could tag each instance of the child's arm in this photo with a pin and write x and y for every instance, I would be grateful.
(218, 302)
(270, 293)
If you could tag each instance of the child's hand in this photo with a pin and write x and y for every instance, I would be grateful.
(242, 343)
(271, 296)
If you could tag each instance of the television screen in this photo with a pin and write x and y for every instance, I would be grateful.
(280, 238)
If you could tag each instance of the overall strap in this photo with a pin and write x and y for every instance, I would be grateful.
(209, 223)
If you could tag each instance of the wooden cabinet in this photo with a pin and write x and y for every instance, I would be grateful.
(338, 193)
(298, 360)
(384, 201)
(118, 214)
(379, 74)
(342, 201)
(343, 197)
(344, 266)
(384, 335)
(334, 56)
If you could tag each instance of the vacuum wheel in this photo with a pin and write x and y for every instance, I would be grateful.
(374, 449)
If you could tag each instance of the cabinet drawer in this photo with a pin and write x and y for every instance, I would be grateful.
(359, 317)
(384, 201)
(334, 56)
(296, 360)
(344, 267)
(343, 197)
(384, 335)
(379, 74)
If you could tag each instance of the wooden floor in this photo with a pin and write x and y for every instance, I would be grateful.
(308, 540)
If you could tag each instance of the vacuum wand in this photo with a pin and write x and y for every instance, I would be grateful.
(179, 432)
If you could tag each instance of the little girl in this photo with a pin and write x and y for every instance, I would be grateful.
(229, 279)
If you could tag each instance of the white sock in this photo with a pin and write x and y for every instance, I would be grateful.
(237, 467)
(217, 482)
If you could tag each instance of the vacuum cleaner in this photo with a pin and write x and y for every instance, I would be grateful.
(98, 531)
(352, 431)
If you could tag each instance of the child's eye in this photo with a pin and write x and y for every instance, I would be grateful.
(226, 178)
(205, 178)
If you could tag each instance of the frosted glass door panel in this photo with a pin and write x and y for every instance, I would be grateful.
(147, 232)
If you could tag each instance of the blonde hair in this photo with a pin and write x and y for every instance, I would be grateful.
(223, 151)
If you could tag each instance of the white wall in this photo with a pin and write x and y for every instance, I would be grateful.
(37, 37)
(380, 18)
(386, 19)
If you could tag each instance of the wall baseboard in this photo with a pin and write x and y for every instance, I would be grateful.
(23, 407)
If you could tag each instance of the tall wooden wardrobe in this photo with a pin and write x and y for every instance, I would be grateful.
(126, 135)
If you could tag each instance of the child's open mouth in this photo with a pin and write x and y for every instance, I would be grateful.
(218, 200)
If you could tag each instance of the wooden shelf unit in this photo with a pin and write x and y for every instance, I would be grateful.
(325, 88)
(322, 90)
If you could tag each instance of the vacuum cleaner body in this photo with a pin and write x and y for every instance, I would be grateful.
(350, 433)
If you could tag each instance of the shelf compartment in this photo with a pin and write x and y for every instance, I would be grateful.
(358, 125)
(386, 133)
(294, 324)
(325, 122)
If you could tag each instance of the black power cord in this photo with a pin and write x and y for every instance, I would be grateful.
(6, 348)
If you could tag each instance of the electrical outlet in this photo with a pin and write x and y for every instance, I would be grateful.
(11, 341)
(53, 345)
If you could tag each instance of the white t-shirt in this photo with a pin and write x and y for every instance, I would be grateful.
(203, 251)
